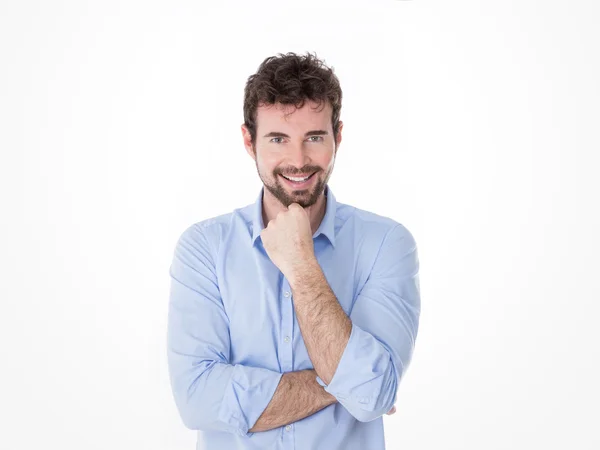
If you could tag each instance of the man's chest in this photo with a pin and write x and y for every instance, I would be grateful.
(259, 304)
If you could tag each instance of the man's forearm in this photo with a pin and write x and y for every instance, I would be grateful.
(324, 325)
(297, 396)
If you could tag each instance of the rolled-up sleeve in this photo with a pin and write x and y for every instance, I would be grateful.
(385, 320)
(209, 392)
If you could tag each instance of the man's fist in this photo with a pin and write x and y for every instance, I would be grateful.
(288, 240)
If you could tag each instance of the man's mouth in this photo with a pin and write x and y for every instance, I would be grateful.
(298, 181)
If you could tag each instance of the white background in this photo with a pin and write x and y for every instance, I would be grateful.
(475, 124)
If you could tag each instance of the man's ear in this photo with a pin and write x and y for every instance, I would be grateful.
(339, 133)
(247, 137)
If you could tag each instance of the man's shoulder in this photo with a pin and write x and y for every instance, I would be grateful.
(222, 220)
(214, 228)
(375, 224)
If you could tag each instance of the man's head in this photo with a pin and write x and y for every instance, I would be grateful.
(291, 125)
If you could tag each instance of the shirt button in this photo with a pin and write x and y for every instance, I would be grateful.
(287, 293)
(286, 339)
(288, 427)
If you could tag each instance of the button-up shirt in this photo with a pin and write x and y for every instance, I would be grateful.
(233, 332)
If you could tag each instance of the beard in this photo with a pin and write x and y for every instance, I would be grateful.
(287, 194)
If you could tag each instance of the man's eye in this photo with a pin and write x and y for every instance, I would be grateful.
(319, 138)
(276, 138)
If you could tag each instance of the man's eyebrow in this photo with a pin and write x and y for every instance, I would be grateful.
(308, 133)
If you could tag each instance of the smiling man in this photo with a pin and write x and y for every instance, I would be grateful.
(292, 320)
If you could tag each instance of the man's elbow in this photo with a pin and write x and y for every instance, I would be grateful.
(370, 411)
(192, 417)
(193, 400)
(200, 410)
(368, 408)
(366, 416)
(192, 423)
(196, 399)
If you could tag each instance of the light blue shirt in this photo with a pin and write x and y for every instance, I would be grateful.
(233, 332)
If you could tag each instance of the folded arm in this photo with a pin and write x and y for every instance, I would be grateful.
(298, 395)
(209, 392)
(360, 359)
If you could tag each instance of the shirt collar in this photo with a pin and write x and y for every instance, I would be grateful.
(327, 226)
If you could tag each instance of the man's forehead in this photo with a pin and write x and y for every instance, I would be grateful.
(310, 113)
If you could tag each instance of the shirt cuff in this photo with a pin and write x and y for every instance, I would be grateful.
(363, 363)
(247, 394)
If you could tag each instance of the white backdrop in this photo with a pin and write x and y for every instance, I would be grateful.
(475, 124)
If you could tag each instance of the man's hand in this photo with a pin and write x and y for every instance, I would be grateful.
(391, 411)
(288, 239)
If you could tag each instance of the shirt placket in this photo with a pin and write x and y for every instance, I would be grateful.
(286, 347)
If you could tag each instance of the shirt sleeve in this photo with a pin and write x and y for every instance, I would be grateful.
(209, 392)
(385, 319)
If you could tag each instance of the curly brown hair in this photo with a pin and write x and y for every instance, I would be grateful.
(291, 79)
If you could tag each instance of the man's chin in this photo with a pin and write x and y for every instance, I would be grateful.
(287, 194)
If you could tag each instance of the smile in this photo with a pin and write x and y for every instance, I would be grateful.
(302, 182)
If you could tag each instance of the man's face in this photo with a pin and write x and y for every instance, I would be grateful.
(296, 145)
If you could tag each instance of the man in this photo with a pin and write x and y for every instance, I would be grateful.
(293, 319)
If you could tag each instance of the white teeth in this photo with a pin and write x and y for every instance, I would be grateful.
(297, 179)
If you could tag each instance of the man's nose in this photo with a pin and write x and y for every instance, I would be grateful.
(298, 156)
